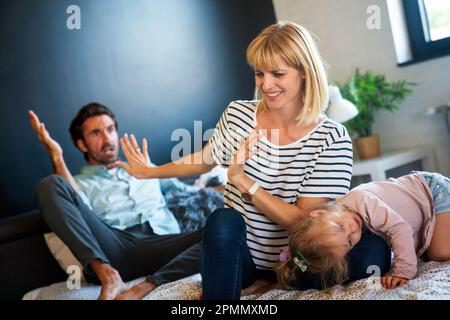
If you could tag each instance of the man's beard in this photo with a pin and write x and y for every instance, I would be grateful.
(104, 160)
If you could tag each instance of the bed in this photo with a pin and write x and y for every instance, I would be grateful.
(191, 210)
(22, 245)
(432, 282)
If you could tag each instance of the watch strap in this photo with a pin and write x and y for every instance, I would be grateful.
(253, 188)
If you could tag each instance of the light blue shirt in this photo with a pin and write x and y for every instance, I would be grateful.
(122, 201)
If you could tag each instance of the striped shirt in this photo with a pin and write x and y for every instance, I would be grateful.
(317, 165)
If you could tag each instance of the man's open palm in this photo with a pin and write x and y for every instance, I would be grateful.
(51, 145)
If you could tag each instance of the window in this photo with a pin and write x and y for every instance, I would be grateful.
(428, 24)
(438, 16)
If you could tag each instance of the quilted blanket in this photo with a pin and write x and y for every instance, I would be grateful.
(432, 282)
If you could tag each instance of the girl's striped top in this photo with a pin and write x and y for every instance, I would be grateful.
(317, 165)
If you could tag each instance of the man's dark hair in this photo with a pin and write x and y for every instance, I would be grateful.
(92, 109)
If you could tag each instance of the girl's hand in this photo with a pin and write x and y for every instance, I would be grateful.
(247, 148)
(138, 161)
(392, 282)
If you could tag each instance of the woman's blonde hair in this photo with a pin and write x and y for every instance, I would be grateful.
(296, 47)
(321, 257)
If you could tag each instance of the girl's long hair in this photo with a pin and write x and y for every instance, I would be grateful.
(322, 257)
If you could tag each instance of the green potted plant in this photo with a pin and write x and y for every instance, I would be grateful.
(371, 92)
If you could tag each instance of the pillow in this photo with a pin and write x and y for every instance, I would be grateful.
(61, 252)
(192, 208)
(216, 177)
(371, 250)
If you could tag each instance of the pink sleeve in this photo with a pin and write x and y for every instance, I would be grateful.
(382, 219)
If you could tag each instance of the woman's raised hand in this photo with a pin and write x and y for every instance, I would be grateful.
(138, 160)
(247, 148)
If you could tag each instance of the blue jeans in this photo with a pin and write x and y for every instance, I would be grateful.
(440, 189)
(226, 265)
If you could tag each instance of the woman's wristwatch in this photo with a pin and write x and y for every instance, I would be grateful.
(248, 195)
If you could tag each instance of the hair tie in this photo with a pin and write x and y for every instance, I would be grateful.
(300, 261)
(284, 256)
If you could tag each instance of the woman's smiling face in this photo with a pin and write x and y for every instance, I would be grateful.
(280, 85)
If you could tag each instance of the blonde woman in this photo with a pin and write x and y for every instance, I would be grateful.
(283, 156)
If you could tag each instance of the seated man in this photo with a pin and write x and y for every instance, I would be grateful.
(117, 226)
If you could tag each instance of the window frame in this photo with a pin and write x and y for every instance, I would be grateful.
(420, 48)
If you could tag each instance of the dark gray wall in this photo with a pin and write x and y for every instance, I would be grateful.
(158, 64)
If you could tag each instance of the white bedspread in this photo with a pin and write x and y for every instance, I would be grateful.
(432, 282)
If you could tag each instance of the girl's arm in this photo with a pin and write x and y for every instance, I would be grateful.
(139, 162)
(381, 219)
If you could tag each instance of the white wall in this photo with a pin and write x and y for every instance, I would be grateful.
(347, 43)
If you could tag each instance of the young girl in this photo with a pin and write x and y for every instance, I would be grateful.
(412, 213)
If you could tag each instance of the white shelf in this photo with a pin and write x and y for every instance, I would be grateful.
(376, 168)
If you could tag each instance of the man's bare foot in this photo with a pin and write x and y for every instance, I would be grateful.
(111, 290)
(137, 292)
(112, 283)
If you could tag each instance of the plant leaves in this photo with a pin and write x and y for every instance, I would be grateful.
(370, 92)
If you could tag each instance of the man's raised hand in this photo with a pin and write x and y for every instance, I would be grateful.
(53, 147)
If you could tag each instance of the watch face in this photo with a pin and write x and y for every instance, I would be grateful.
(247, 196)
